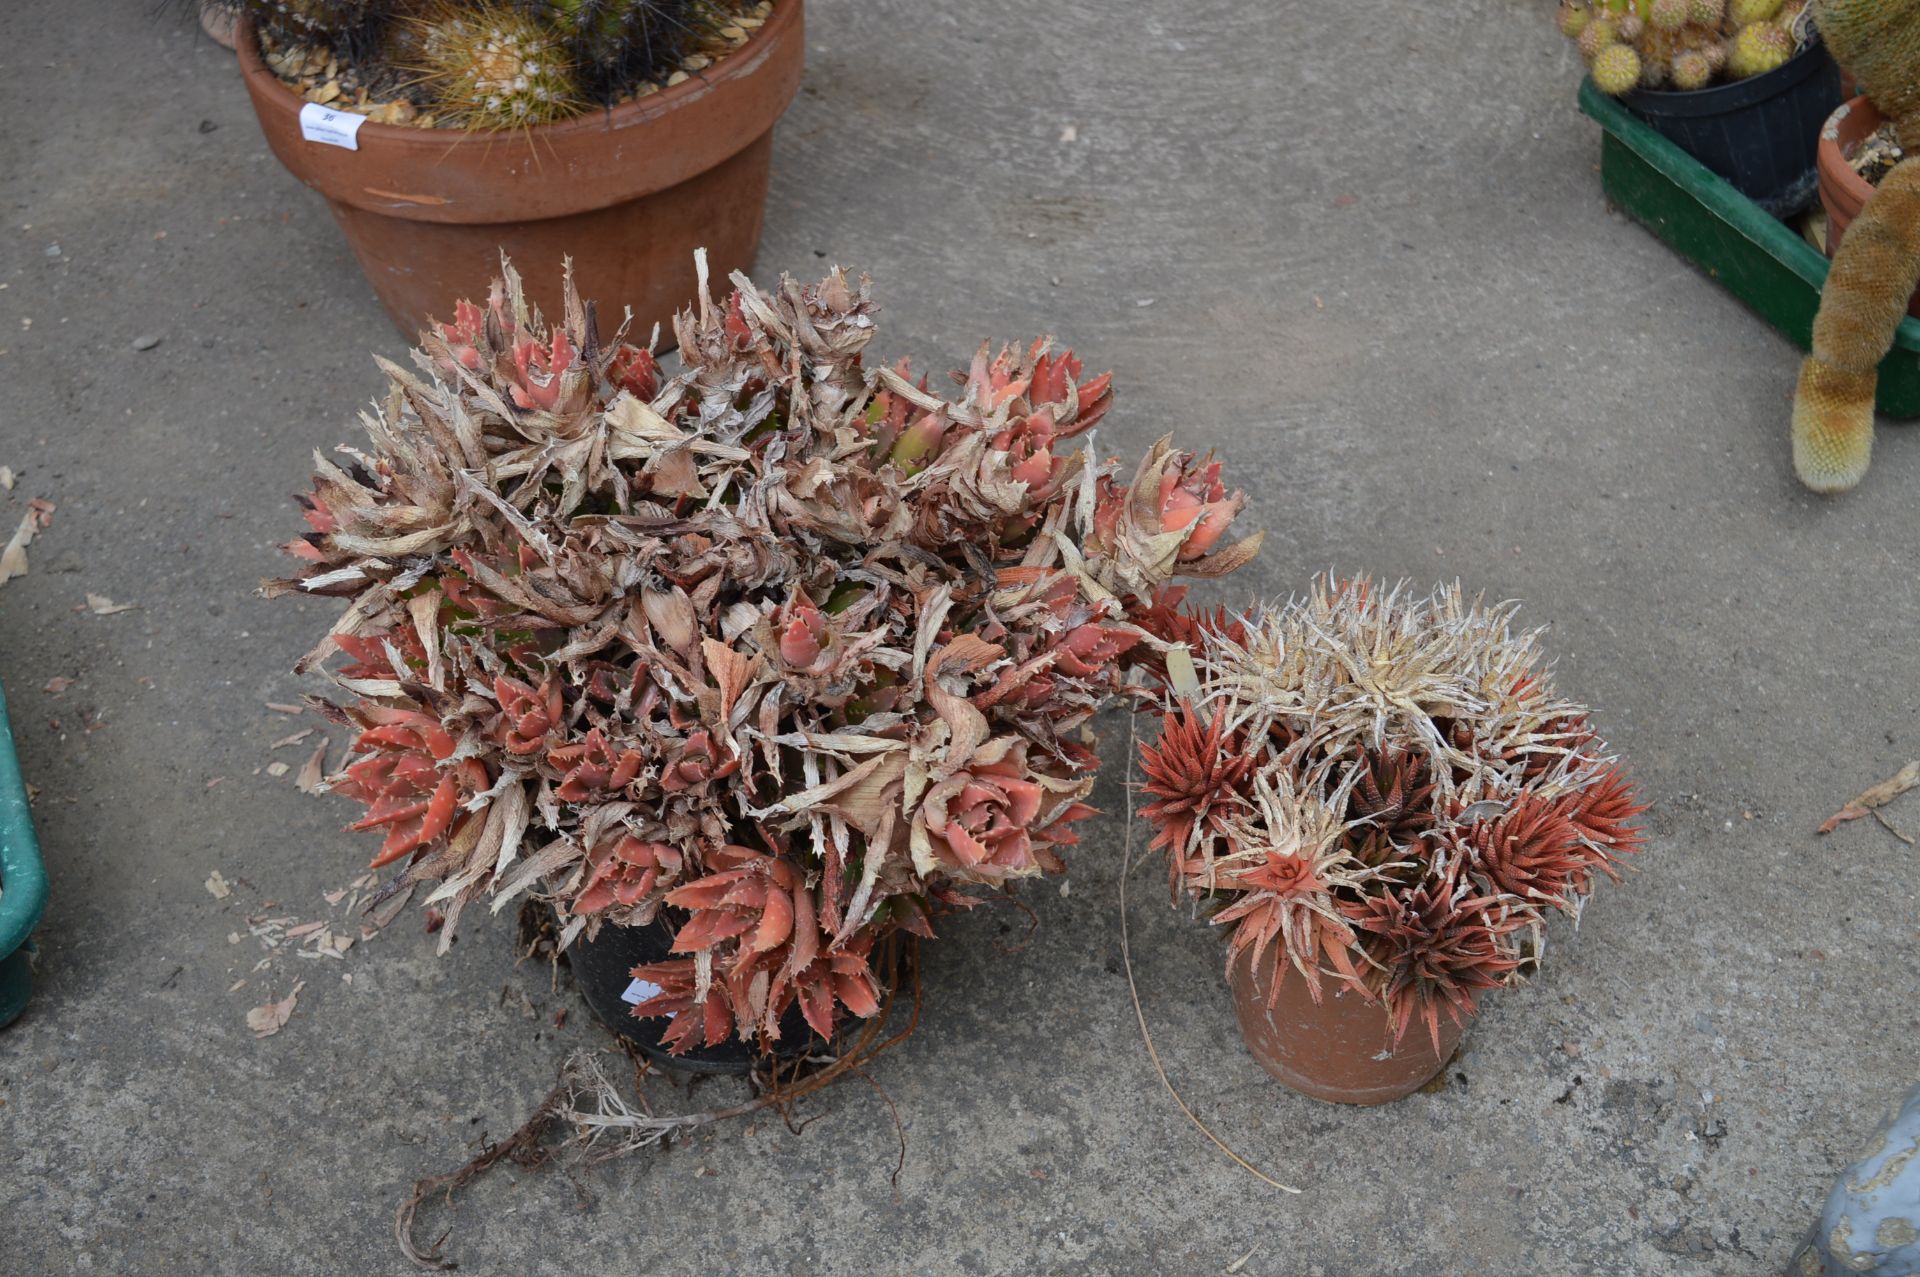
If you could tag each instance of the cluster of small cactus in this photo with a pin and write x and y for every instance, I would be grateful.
(505, 64)
(1680, 44)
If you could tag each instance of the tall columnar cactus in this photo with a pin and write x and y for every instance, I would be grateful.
(1878, 263)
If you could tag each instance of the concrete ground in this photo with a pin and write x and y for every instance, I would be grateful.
(1361, 249)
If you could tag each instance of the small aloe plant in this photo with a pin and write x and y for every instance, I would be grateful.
(1385, 791)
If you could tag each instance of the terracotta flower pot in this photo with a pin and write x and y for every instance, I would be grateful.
(1338, 1050)
(628, 193)
(1844, 192)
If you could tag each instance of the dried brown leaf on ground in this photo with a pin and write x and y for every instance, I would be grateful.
(270, 1017)
(294, 739)
(58, 684)
(277, 769)
(311, 771)
(1874, 796)
(13, 559)
(383, 912)
(101, 605)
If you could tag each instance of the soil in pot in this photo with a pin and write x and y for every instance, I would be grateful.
(602, 968)
(1853, 135)
(1340, 1049)
(627, 194)
(1760, 133)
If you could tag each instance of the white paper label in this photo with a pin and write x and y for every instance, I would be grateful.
(639, 991)
(335, 128)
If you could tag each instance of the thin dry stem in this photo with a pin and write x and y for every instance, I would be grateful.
(1133, 989)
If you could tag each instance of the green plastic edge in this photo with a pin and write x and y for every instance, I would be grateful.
(23, 879)
(1775, 247)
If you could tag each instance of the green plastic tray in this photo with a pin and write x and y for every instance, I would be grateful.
(23, 882)
(1763, 262)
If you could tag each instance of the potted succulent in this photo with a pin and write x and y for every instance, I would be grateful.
(748, 668)
(1741, 85)
(1858, 148)
(622, 133)
(1383, 799)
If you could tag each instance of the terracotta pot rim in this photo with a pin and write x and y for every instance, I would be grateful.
(1833, 160)
(660, 166)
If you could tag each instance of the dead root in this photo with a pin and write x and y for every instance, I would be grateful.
(587, 1119)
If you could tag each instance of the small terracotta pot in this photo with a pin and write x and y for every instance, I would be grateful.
(1844, 192)
(1338, 1050)
(627, 193)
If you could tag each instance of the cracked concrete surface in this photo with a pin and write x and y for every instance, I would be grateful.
(1361, 249)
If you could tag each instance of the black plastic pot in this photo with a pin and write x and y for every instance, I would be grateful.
(602, 969)
(1761, 134)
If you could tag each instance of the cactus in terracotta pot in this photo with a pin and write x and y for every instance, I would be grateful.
(494, 64)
